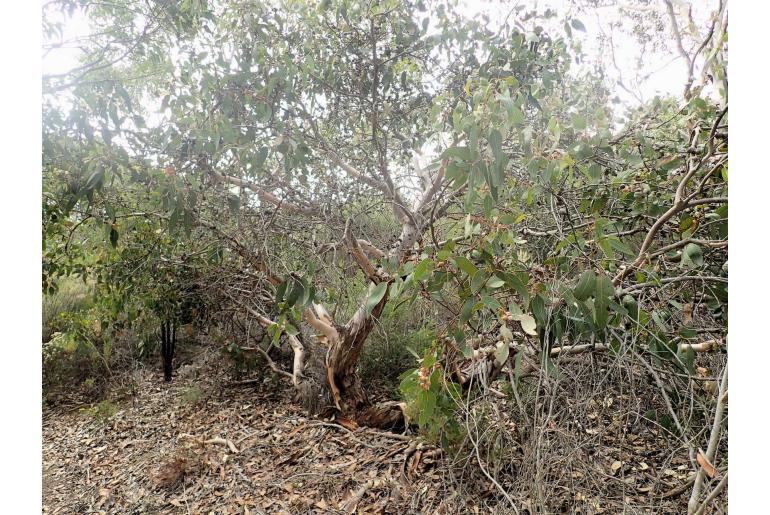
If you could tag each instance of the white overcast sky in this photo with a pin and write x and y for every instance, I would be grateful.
(667, 71)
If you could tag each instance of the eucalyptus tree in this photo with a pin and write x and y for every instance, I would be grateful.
(314, 110)
(292, 139)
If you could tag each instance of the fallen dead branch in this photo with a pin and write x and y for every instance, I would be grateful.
(350, 505)
(679, 490)
(704, 346)
(222, 441)
(211, 441)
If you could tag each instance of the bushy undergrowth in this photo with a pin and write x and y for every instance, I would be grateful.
(401, 338)
(83, 342)
(103, 411)
(72, 296)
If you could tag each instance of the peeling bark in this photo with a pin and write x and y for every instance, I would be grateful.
(324, 370)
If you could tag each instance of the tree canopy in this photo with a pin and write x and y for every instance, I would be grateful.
(292, 168)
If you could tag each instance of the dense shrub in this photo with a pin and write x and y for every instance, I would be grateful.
(73, 295)
(401, 339)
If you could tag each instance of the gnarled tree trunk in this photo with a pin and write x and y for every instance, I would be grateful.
(324, 369)
(345, 384)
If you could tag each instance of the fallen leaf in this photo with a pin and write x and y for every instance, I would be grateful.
(347, 423)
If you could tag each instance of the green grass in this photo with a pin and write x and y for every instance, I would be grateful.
(192, 395)
(103, 411)
(73, 295)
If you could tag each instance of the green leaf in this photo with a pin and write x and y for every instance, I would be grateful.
(515, 115)
(618, 245)
(491, 302)
(260, 158)
(578, 25)
(631, 306)
(297, 291)
(518, 281)
(275, 333)
(528, 323)
(187, 221)
(459, 337)
(422, 269)
(604, 291)
(585, 286)
(692, 255)
(478, 281)
(688, 358)
(396, 288)
(537, 305)
(426, 404)
(280, 292)
(307, 290)
(495, 143)
(462, 153)
(465, 265)
(467, 310)
(501, 352)
(578, 122)
(606, 246)
(495, 282)
(95, 179)
(378, 292)
(409, 382)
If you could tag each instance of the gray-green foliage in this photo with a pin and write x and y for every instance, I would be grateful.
(547, 216)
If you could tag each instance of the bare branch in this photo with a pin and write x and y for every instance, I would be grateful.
(667, 280)
(680, 47)
(294, 343)
(433, 188)
(716, 431)
(264, 195)
(275, 368)
(714, 244)
(322, 326)
(359, 256)
(704, 346)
